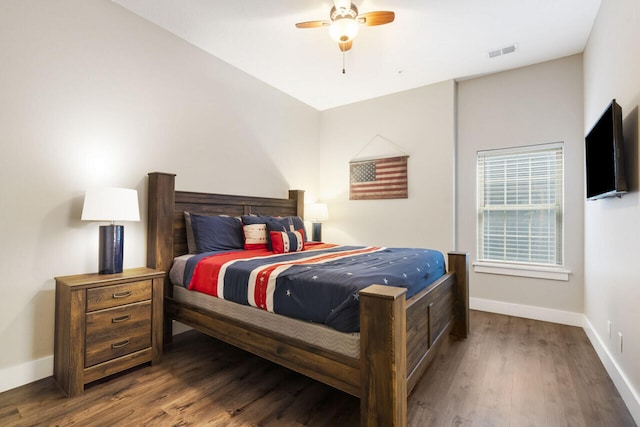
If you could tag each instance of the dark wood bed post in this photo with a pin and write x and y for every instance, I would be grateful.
(459, 264)
(298, 196)
(161, 201)
(383, 356)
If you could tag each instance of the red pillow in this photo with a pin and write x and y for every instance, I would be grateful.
(287, 241)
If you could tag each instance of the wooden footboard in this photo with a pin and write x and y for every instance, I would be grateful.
(398, 338)
(333, 369)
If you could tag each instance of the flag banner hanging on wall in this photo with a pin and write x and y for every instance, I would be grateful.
(378, 179)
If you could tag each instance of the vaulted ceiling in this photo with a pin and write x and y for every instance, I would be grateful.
(428, 42)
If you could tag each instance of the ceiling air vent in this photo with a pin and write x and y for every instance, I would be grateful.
(503, 50)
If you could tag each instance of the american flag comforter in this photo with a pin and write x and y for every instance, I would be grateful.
(319, 285)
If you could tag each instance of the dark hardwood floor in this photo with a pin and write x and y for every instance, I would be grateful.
(509, 372)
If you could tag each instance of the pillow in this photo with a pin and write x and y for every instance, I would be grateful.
(277, 224)
(255, 232)
(215, 233)
(287, 241)
(290, 223)
(255, 236)
(287, 223)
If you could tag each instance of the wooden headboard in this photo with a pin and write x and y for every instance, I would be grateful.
(167, 237)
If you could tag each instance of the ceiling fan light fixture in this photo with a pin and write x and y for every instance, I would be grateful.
(344, 30)
(345, 21)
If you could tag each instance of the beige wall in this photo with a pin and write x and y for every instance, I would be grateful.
(533, 105)
(92, 95)
(420, 123)
(612, 226)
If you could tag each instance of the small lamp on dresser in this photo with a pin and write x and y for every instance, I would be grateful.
(111, 204)
(316, 213)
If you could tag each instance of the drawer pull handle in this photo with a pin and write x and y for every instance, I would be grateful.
(121, 318)
(119, 344)
(122, 294)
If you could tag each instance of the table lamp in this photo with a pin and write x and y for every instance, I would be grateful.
(111, 204)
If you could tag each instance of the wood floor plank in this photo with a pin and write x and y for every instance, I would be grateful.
(562, 405)
(494, 405)
(528, 398)
(509, 372)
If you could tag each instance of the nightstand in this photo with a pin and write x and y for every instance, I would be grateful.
(106, 323)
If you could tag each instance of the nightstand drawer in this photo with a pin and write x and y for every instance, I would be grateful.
(113, 296)
(117, 331)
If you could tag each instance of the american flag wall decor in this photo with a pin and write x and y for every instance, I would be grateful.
(378, 179)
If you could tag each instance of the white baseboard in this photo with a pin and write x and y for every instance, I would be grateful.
(527, 311)
(627, 392)
(25, 373)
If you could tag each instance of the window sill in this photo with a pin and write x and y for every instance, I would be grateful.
(522, 270)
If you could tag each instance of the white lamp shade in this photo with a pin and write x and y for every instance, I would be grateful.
(316, 212)
(344, 30)
(110, 204)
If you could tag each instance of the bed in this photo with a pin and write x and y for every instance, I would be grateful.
(398, 337)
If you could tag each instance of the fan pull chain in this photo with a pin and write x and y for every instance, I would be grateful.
(343, 67)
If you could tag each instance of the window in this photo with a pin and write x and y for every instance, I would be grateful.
(520, 200)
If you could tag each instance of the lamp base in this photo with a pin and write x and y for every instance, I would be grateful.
(316, 235)
(110, 249)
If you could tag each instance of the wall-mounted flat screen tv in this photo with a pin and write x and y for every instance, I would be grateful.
(604, 150)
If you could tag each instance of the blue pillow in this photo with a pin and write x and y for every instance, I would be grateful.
(276, 224)
(253, 219)
(216, 233)
(286, 223)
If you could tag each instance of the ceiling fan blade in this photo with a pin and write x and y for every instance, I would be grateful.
(345, 46)
(313, 24)
(376, 18)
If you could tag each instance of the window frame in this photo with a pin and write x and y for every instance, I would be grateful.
(553, 271)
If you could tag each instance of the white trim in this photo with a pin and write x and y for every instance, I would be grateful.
(522, 270)
(496, 196)
(547, 146)
(527, 311)
(629, 395)
(25, 373)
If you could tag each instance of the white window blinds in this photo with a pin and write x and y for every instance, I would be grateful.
(520, 200)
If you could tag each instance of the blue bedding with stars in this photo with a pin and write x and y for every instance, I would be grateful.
(319, 285)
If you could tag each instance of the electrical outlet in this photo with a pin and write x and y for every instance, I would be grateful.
(620, 337)
(609, 328)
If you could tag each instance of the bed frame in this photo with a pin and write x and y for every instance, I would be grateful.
(398, 337)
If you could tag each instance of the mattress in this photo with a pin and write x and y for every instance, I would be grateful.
(319, 285)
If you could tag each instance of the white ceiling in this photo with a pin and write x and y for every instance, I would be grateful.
(429, 41)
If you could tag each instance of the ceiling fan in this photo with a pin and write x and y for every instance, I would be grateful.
(344, 22)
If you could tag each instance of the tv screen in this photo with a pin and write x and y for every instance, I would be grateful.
(604, 153)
